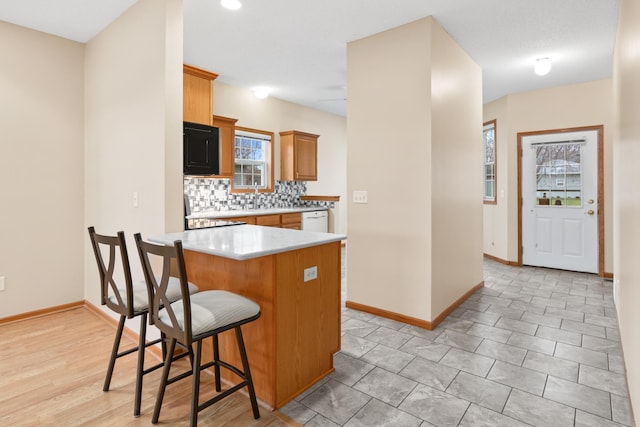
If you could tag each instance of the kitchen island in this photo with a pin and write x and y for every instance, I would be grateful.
(295, 278)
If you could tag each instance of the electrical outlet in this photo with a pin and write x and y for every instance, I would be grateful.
(360, 196)
(311, 273)
(1, 283)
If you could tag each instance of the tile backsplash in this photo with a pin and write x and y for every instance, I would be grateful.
(215, 194)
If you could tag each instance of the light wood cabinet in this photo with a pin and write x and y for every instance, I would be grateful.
(268, 220)
(227, 128)
(291, 345)
(248, 219)
(291, 220)
(298, 156)
(197, 94)
(288, 220)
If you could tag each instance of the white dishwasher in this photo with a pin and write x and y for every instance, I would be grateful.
(315, 221)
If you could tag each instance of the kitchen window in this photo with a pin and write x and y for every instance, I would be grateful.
(253, 159)
(489, 144)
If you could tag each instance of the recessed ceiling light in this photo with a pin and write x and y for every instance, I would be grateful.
(231, 4)
(542, 67)
(261, 92)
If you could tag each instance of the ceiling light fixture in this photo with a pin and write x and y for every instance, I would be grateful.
(261, 92)
(231, 4)
(543, 66)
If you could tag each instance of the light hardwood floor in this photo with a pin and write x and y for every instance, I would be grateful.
(52, 369)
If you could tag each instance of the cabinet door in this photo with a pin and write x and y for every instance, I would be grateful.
(268, 220)
(197, 94)
(298, 156)
(292, 220)
(227, 128)
(197, 100)
(248, 219)
(306, 152)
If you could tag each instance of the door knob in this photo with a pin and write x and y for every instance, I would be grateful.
(590, 212)
(590, 201)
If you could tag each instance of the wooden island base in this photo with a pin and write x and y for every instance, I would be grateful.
(291, 345)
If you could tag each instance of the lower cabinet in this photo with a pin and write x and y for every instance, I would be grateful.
(268, 220)
(247, 219)
(291, 220)
(288, 220)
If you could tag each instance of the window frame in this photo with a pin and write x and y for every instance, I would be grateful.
(269, 185)
(490, 200)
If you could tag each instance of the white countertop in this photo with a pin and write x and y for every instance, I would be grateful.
(252, 212)
(242, 242)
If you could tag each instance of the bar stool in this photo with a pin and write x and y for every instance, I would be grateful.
(127, 299)
(192, 319)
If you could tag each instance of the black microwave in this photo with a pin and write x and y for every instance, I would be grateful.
(201, 149)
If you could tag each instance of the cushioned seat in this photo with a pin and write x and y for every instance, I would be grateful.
(120, 294)
(212, 310)
(141, 294)
(192, 319)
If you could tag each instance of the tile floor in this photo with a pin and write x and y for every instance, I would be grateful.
(533, 347)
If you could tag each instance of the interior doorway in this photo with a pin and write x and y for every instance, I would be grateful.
(561, 197)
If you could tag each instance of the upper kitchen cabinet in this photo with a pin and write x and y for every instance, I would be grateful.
(227, 128)
(197, 94)
(298, 156)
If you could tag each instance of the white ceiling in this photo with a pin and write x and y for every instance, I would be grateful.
(297, 48)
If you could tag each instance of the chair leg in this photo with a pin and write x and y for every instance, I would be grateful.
(191, 356)
(216, 359)
(163, 381)
(195, 391)
(163, 345)
(114, 354)
(247, 373)
(140, 370)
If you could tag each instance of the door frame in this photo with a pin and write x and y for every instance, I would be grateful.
(600, 171)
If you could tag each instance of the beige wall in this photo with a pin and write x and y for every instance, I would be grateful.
(400, 82)
(133, 122)
(274, 115)
(627, 192)
(564, 107)
(456, 189)
(41, 170)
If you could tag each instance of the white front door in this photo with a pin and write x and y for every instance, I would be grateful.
(559, 200)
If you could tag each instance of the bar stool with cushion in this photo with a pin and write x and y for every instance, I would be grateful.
(192, 319)
(129, 300)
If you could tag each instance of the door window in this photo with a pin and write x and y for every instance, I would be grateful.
(559, 174)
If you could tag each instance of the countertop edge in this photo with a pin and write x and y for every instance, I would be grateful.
(246, 257)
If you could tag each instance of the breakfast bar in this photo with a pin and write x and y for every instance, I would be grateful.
(295, 278)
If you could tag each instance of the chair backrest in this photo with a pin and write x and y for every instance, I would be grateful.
(111, 289)
(157, 260)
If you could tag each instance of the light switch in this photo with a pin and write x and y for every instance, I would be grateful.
(360, 196)
(135, 199)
